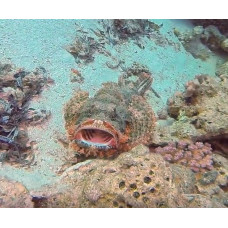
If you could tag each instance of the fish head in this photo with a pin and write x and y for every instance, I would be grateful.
(99, 134)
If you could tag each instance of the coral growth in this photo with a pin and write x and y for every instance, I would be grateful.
(197, 156)
(116, 119)
(200, 114)
(17, 87)
(204, 104)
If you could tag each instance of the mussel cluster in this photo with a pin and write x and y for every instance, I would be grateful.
(17, 87)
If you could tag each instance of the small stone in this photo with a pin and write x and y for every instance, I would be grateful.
(110, 170)
(198, 30)
(162, 114)
(224, 45)
(190, 198)
(208, 178)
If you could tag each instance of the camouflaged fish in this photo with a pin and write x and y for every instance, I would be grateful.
(115, 120)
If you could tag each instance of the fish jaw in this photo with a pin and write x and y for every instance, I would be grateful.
(97, 134)
(90, 136)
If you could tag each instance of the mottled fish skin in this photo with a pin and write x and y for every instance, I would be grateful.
(117, 109)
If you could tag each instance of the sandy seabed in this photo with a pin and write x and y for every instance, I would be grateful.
(32, 43)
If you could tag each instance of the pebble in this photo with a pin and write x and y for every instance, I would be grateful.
(208, 177)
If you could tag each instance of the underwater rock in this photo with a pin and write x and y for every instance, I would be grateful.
(192, 43)
(202, 201)
(224, 45)
(201, 41)
(197, 156)
(204, 106)
(221, 24)
(199, 114)
(209, 177)
(139, 179)
(115, 120)
(14, 195)
(214, 184)
(214, 39)
(17, 88)
(174, 131)
(162, 114)
(222, 70)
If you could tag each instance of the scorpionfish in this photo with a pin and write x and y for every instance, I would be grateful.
(114, 120)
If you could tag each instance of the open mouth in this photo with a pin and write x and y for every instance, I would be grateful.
(95, 137)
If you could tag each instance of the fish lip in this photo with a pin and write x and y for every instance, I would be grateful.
(81, 138)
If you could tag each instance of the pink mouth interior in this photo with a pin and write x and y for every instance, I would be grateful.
(96, 136)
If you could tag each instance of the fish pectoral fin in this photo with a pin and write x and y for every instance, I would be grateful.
(144, 85)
